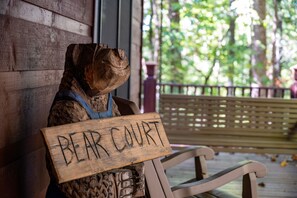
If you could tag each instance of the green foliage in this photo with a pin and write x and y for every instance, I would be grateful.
(201, 39)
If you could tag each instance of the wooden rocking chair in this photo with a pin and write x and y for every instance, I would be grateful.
(157, 185)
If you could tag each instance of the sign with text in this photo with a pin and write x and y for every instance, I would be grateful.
(85, 148)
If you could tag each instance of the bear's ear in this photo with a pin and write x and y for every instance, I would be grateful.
(75, 54)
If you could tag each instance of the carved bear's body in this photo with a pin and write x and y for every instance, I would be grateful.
(92, 72)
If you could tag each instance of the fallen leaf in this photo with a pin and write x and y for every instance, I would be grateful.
(273, 158)
(294, 157)
(262, 184)
(284, 163)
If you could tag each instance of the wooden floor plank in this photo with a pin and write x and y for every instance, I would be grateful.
(279, 182)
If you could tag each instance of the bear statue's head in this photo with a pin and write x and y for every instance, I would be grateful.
(97, 68)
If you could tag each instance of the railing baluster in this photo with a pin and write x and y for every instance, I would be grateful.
(259, 92)
(190, 89)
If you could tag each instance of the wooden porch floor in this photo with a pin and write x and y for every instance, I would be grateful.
(280, 182)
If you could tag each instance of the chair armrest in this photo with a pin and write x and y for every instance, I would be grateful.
(243, 168)
(179, 157)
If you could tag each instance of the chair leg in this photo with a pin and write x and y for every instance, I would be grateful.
(200, 168)
(249, 186)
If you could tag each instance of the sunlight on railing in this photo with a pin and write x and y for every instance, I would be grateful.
(213, 90)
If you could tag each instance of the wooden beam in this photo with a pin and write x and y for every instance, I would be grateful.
(79, 10)
(17, 150)
(31, 46)
(25, 177)
(24, 112)
(13, 81)
(32, 13)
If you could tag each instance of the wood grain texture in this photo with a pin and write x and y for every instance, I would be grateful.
(80, 10)
(25, 177)
(28, 12)
(246, 124)
(279, 181)
(34, 37)
(13, 81)
(24, 112)
(25, 95)
(31, 46)
(85, 148)
(17, 150)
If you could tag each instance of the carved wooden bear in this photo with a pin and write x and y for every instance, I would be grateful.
(91, 72)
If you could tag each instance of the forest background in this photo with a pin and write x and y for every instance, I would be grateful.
(222, 42)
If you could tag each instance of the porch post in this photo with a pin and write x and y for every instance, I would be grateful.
(293, 87)
(149, 88)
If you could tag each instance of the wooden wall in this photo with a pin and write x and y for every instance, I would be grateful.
(34, 35)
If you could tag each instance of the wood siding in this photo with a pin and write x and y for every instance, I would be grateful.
(34, 36)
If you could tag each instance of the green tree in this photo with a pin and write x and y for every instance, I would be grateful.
(222, 42)
(259, 59)
(175, 61)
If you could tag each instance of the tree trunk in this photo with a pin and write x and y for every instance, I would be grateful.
(151, 34)
(154, 33)
(175, 62)
(276, 37)
(231, 47)
(259, 60)
(156, 40)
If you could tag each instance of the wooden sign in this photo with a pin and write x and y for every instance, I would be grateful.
(89, 147)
